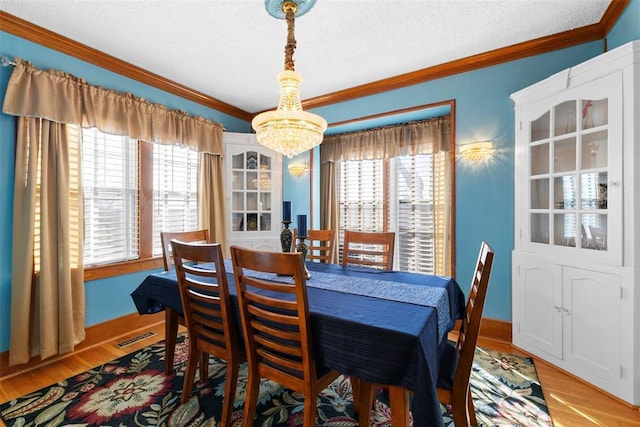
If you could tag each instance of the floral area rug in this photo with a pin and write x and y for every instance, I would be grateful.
(133, 391)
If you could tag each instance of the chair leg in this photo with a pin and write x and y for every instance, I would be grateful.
(310, 408)
(459, 407)
(471, 409)
(355, 393)
(230, 385)
(204, 366)
(251, 399)
(170, 335)
(189, 375)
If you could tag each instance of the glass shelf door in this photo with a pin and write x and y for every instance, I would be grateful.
(251, 197)
(568, 179)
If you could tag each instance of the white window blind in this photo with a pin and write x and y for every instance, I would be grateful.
(397, 198)
(175, 191)
(361, 197)
(411, 212)
(109, 178)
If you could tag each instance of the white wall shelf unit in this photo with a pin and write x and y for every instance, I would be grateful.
(576, 258)
(253, 192)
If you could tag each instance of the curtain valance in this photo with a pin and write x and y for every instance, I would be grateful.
(418, 137)
(64, 98)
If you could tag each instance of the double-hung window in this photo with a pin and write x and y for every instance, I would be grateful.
(110, 185)
(175, 191)
(132, 191)
(400, 194)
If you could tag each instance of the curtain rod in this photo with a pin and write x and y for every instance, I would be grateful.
(5, 61)
(393, 113)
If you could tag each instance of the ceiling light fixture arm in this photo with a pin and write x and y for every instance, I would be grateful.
(290, 9)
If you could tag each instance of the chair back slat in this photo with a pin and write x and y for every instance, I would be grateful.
(368, 249)
(321, 246)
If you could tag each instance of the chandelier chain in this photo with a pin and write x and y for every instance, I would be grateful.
(290, 12)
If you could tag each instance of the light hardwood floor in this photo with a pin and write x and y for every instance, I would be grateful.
(571, 402)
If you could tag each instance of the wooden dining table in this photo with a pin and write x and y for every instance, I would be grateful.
(383, 327)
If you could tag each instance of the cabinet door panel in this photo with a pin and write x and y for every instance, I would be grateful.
(592, 307)
(540, 293)
(253, 192)
(570, 172)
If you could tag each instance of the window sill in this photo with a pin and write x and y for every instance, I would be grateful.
(118, 269)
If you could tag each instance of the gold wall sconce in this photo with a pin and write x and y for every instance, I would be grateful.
(476, 151)
(297, 168)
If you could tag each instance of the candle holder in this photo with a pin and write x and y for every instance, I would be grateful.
(303, 248)
(286, 236)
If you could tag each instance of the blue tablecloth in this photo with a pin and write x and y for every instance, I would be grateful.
(376, 339)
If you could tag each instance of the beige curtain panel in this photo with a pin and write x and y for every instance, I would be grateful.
(211, 194)
(48, 306)
(64, 98)
(407, 139)
(47, 294)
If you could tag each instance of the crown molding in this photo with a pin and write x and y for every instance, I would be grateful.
(538, 46)
(612, 14)
(29, 31)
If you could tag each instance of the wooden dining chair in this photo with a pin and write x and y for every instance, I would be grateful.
(368, 249)
(455, 371)
(321, 245)
(209, 315)
(453, 384)
(171, 318)
(277, 328)
(192, 236)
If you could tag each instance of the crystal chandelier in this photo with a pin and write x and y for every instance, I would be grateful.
(289, 130)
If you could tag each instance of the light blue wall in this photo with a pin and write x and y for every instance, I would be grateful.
(298, 190)
(107, 298)
(627, 28)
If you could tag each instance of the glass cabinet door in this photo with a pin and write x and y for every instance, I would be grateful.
(251, 198)
(568, 175)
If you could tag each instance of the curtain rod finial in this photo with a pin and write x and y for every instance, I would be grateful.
(5, 61)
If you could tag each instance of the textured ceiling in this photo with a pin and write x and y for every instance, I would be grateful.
(232, 50)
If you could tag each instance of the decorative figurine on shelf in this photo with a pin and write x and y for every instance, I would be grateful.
(587, 114)
(302, 245)
(286, 236)
(602, 196)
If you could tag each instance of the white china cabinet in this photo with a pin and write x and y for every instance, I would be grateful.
(253, 192)
(576, 297)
